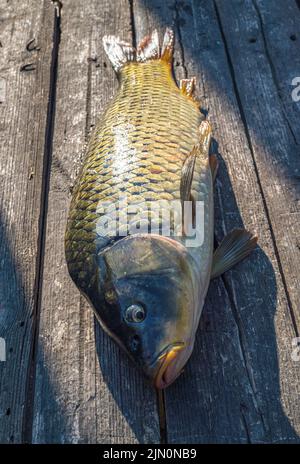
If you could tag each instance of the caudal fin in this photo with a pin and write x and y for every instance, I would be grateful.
(120, 52)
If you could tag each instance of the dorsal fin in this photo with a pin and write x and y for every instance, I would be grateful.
(205, 135)
(168, 46)
(187, 86)
(187, 174)
(188, 167)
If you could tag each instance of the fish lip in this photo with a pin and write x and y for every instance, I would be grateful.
(164, 362)
(163, 352)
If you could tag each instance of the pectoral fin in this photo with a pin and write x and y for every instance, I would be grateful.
(234, 247)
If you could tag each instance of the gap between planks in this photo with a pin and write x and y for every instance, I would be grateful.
(47, 157)
(266, 209)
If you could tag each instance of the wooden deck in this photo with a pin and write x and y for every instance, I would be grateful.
(63, 379)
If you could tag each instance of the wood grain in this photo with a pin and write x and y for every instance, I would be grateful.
(280, 37)
(23, 115)
(272, 144)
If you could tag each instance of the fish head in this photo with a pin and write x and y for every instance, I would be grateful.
(146, 300)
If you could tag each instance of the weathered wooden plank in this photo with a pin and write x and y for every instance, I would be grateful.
(280, 34)
(273, 146)
(276, 157)
(241, 384)
(24, 98)
(75, 400)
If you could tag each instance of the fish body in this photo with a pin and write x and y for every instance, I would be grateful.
(149, 153)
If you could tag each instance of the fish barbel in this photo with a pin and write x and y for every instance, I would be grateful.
(149, 156)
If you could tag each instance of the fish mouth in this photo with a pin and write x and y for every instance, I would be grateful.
(170, 367)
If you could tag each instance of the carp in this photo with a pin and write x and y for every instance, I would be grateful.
(147, 281)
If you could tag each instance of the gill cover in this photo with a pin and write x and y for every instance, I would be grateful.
(155, 273)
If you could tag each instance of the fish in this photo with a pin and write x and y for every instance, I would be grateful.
(139, 240)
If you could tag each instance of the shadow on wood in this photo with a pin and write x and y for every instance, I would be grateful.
(16, 327)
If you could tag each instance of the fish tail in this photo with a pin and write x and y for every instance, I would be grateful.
(121, 53)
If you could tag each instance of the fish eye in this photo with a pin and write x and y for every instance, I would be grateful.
(135, 313)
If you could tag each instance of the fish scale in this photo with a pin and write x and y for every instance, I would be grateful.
(152, 146)
(138, 147)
